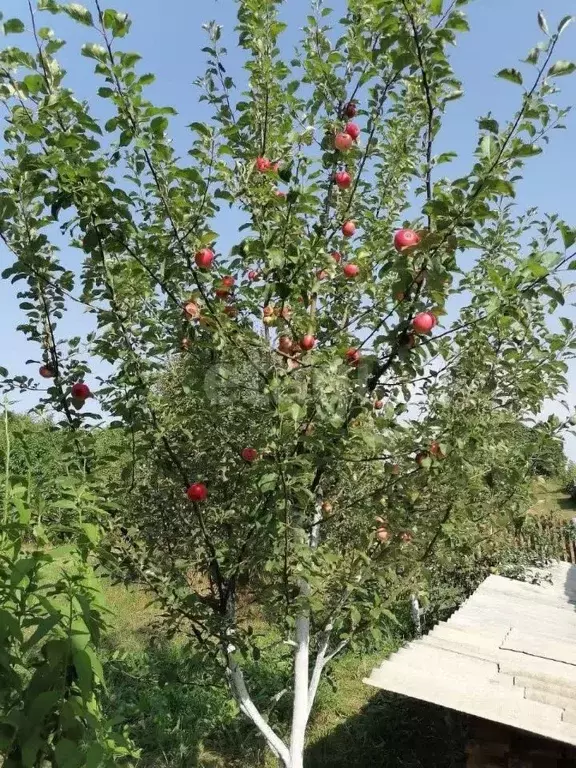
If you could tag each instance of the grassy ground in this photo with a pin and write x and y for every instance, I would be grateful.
(550, 498)
(181, 717)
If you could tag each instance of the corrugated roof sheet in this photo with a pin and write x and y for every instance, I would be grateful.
(507, 655)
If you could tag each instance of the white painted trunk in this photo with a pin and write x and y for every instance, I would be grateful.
(300, 707)
(248, 707)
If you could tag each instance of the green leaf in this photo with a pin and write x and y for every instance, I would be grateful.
(83, 666)
(45, 626)
(542, 23)
(453, 95)
(436, 7)
(527, 150)
(564, 23)
(537, 269)
(68, 755)
(568, 234)
(13, 27)
(561, 67)
(94, 51)
(510, 74)
(79, 13)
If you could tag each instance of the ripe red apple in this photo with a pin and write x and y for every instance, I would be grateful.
(382, 534)
(231, 310)
(343, 142)
(280, 194)
(222, 293)
(423, 322)
(285, 344)
(80, 391)
(268, 311)
(46, 371)
(351, 270)
(351, 109)
(307, 342)
(285, 313)
(192, 310)
(253, 275)
(275, 167)
(321, 274)
(352, 130)
(249, 454)
(228, 281)
(406, 537)
(336, 256)
(197, 492)
(399, 296)
(353, 356)
(379, 404)
(343, 179)
(405, 238)
(204, 258)
(263, 164)
(185, 344)
(348, 228)
(436, 450)
(327, 507)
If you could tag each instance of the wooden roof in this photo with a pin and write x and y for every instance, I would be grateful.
(507, 655)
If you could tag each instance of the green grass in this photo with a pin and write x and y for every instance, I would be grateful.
(180, 716)
(550, 498)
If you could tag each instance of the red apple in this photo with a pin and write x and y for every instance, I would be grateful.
(378, 405)
(352, 130)
(405, 238)
(185, 344)
(275, 167)
(280, 194)
(231, 310)
(249, 454)
(46, 371)
(351, 270)
(197, 492)
(348, 228)
(285, 313)
(268, 311)
(336, 256)
(192, 310)
(395, 469)
(285, 344)
(343, 179)
(80, 391)
(307, 342)
(263, 164)
(228, 281)
(343, 142)
(399, 297)
(436, 450)
(350, 109)
(353, 356)
(424, 322)
(204, 258)
(321, 274)
(253, 275)
(327, 507)
(382, 534)
(222, 293)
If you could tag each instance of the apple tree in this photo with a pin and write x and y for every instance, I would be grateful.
(308, 413)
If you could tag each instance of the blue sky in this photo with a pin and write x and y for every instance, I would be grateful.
(169, 36)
